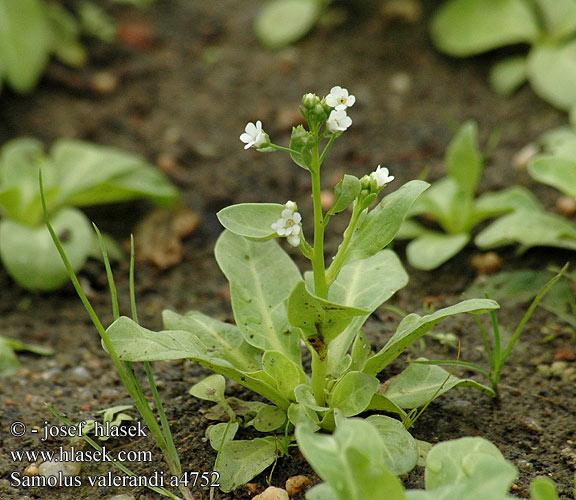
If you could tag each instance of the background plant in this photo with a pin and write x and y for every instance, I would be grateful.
(76, 174)
(463, 28)
(452, 204)
(276, 308)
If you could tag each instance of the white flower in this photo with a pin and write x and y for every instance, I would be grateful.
(339, 99)
(289, 224)
(381, 176)
(338, 121)
(254, 135)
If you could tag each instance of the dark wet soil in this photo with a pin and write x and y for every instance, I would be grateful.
(185, 96)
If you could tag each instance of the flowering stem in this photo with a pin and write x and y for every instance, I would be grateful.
(282, 148)
(328, 146)
(340, 257)
(318, 266)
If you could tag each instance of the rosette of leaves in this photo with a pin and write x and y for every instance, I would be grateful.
(76, 174)
(356, 463)
(452, 203)
(32, 31)
(463, 28)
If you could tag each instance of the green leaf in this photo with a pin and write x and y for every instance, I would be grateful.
(24, 42)
(269, 418)
(132, 342)
(464, 160)
(452, 462)
(346, 191)
(418, 384)
(508, 75)
(382, 223)
(282, 22)
(433, 249)
(381, 403)
(320, 320)
(9, 364)
(351, 461)
(251, 220)
(287, 374)
(559, 17)
(322, 491)
(211, 388)
(361, 350)
(96, 22)
(496, 203)
(305, 397)
(560, 141)
(65, 34)
(301, 414)
(552, 73)
(529, 228)
(261, 277)
(301, 144)
(240, 461)
(30, 256)
(465, 28)
(353, 392)
(543, 488)
(412, 327)
(222, 339)
(401, 450)
(223, 432)
(556, 172)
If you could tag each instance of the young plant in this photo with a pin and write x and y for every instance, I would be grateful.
(451, 202)
(76, 174)
(9, 364)
(277, 310)
(463, 28)
(498, 353)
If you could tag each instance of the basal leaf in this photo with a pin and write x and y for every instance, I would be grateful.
(9, 364)
(301, 414)
(305, 397)
(433, 249)
(261, 277)
(543, 488)
(287, 374)
(557, 172)
(464, 28)
(552, 73)
(494, 203)
(463, 158)
(382, 223)
(30, 256)
(269, 418)
(412, 327)
(508, 75)
(251, 220)
(211, 388)
(419, 383)
(353, 392)
(559, 17)
(221, 433)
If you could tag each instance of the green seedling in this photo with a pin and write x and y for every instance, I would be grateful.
(278, 311)
(9, 364)
(497, 353)
(113, 416)
(359, 462)
(283, 22)
(76, 174)
(463, 28)
(452, 203)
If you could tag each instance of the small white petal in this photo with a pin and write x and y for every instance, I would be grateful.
(294, 240)
(245, 137)
(297, 217)
(350, 101)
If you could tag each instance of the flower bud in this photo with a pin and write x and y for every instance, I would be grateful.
(310, 101)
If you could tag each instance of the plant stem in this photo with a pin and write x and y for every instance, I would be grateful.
(318, 266)
(340, 257)
(319, 367)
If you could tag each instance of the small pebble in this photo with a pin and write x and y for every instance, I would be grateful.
(80, 375)
(326, 199)
(272, 493)
(31, 470)
(408, 11)
(124, 496)
(104, 83)
(487, 263)
(167, 163)
(53, 468)
(565, 355)
(297, 484)
(523, 157)
(566, 205)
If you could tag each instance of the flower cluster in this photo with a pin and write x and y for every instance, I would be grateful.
(289, 224)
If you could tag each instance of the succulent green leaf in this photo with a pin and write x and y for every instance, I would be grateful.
(508, 75)
(401, 450)
(30, 256)
(287, 374)
(496, 203)
(240, 461)
(282, 22)
(221, 433)
(382, 223)
(351, 461)
(433, 249)
(262, 277)
(557, 172)
(465, 28)
(301, 414)
(24, 42)
(269, 418)
(419, 384)
(65, 35)
(305, 397)
(211, 388)
(381, 403)
(412, 327)
(559, 17)
(319, 320)
(529, 228)
(353, 392)
(543, 488)
(560, 141)
(552, 73)
(9, 364)
(251, 220)
(346, 191)
(361, 350)
(463, 158)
